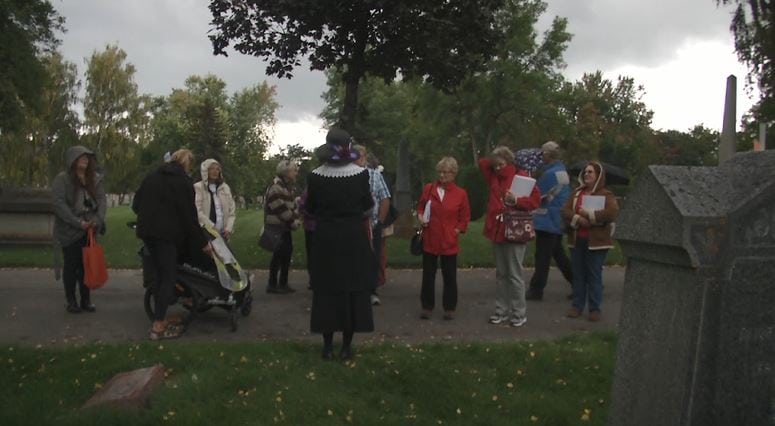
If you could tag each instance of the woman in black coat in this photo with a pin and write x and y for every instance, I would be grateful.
(342, 261)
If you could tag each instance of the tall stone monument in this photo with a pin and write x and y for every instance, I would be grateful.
(726, 148)
(697, 331)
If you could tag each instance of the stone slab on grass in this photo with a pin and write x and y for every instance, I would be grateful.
(128, 390)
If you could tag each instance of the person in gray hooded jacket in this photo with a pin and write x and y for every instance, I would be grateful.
(79, 204)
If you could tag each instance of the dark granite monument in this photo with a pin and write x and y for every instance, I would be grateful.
(404, 225)
(697, 331)
(26, 216)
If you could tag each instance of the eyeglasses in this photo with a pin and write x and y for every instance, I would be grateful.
(589, 172)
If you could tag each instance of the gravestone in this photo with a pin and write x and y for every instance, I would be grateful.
(697, 330)
(128, 390)
(26, 216)
(404, 224)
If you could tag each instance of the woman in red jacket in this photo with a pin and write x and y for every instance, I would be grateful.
(444, 212)
(499, 170)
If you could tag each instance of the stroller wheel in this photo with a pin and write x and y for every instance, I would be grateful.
(234, 317)
(149, 302)
(247, 305)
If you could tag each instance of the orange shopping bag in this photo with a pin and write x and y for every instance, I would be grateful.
(95, 270)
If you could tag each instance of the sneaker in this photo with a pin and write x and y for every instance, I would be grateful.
(375, 300)
(425, 314)
(594, 316)
(498, 319)
(573, 313)
(518, 321)
(449, 315)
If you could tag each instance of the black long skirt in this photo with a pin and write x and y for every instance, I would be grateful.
(342, 267)
(349, 311)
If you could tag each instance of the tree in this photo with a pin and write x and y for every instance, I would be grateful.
(440, 42)
(208, 132)
(251, 115)
(753, 25)
(609, 122)
(115, 117)
(698, 147)
(27, 33)
(32, 154)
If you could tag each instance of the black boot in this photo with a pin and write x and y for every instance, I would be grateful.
(285, 288)
(534, 294)
(73, 307)
(346, 354)
(88, 306)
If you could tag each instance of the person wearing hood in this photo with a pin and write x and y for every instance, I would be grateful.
(589, 214)
(499, 170)
(214, 203)
(79, 205)
(168, 225)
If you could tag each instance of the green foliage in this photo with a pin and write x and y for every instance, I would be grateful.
(515, 383)
(115, 118)
(27, 33)
(439, 42)
(471, 179)
(32, 154)
(753, 24)
(233, 129)
(698, 147)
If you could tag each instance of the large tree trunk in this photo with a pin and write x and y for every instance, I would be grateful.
(350, 107)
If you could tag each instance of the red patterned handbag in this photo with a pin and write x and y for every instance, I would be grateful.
(518, 227)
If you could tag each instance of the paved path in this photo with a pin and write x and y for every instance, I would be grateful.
(32, 311)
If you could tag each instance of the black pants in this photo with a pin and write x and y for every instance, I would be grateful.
(549, 246)
(72, 271)
(281, 261)
(448, 275)
(164, 257)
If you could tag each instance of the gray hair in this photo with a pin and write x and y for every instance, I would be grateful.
(504, 153)
(447, 163)
(551, 150)
(284, 166)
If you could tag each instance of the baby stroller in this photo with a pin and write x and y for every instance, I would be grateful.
(218, 281)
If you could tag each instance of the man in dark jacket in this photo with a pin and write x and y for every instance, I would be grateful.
(168, 225)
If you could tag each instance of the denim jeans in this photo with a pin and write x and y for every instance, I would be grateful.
(587, 275)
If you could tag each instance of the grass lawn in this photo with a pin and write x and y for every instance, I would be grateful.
(559, 382)
(121, 247)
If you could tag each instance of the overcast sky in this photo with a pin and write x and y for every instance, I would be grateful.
(681, 51)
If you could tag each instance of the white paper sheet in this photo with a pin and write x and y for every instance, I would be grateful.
(522, 186)
(592, 203)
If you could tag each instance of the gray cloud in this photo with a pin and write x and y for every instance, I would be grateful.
(167, 41)
(612, 33)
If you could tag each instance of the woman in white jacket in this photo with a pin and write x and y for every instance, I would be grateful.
(214, 202)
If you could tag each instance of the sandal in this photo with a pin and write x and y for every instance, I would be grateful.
(175, 320)
(171, 331)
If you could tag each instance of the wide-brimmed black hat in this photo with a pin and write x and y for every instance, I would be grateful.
(338, 148)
